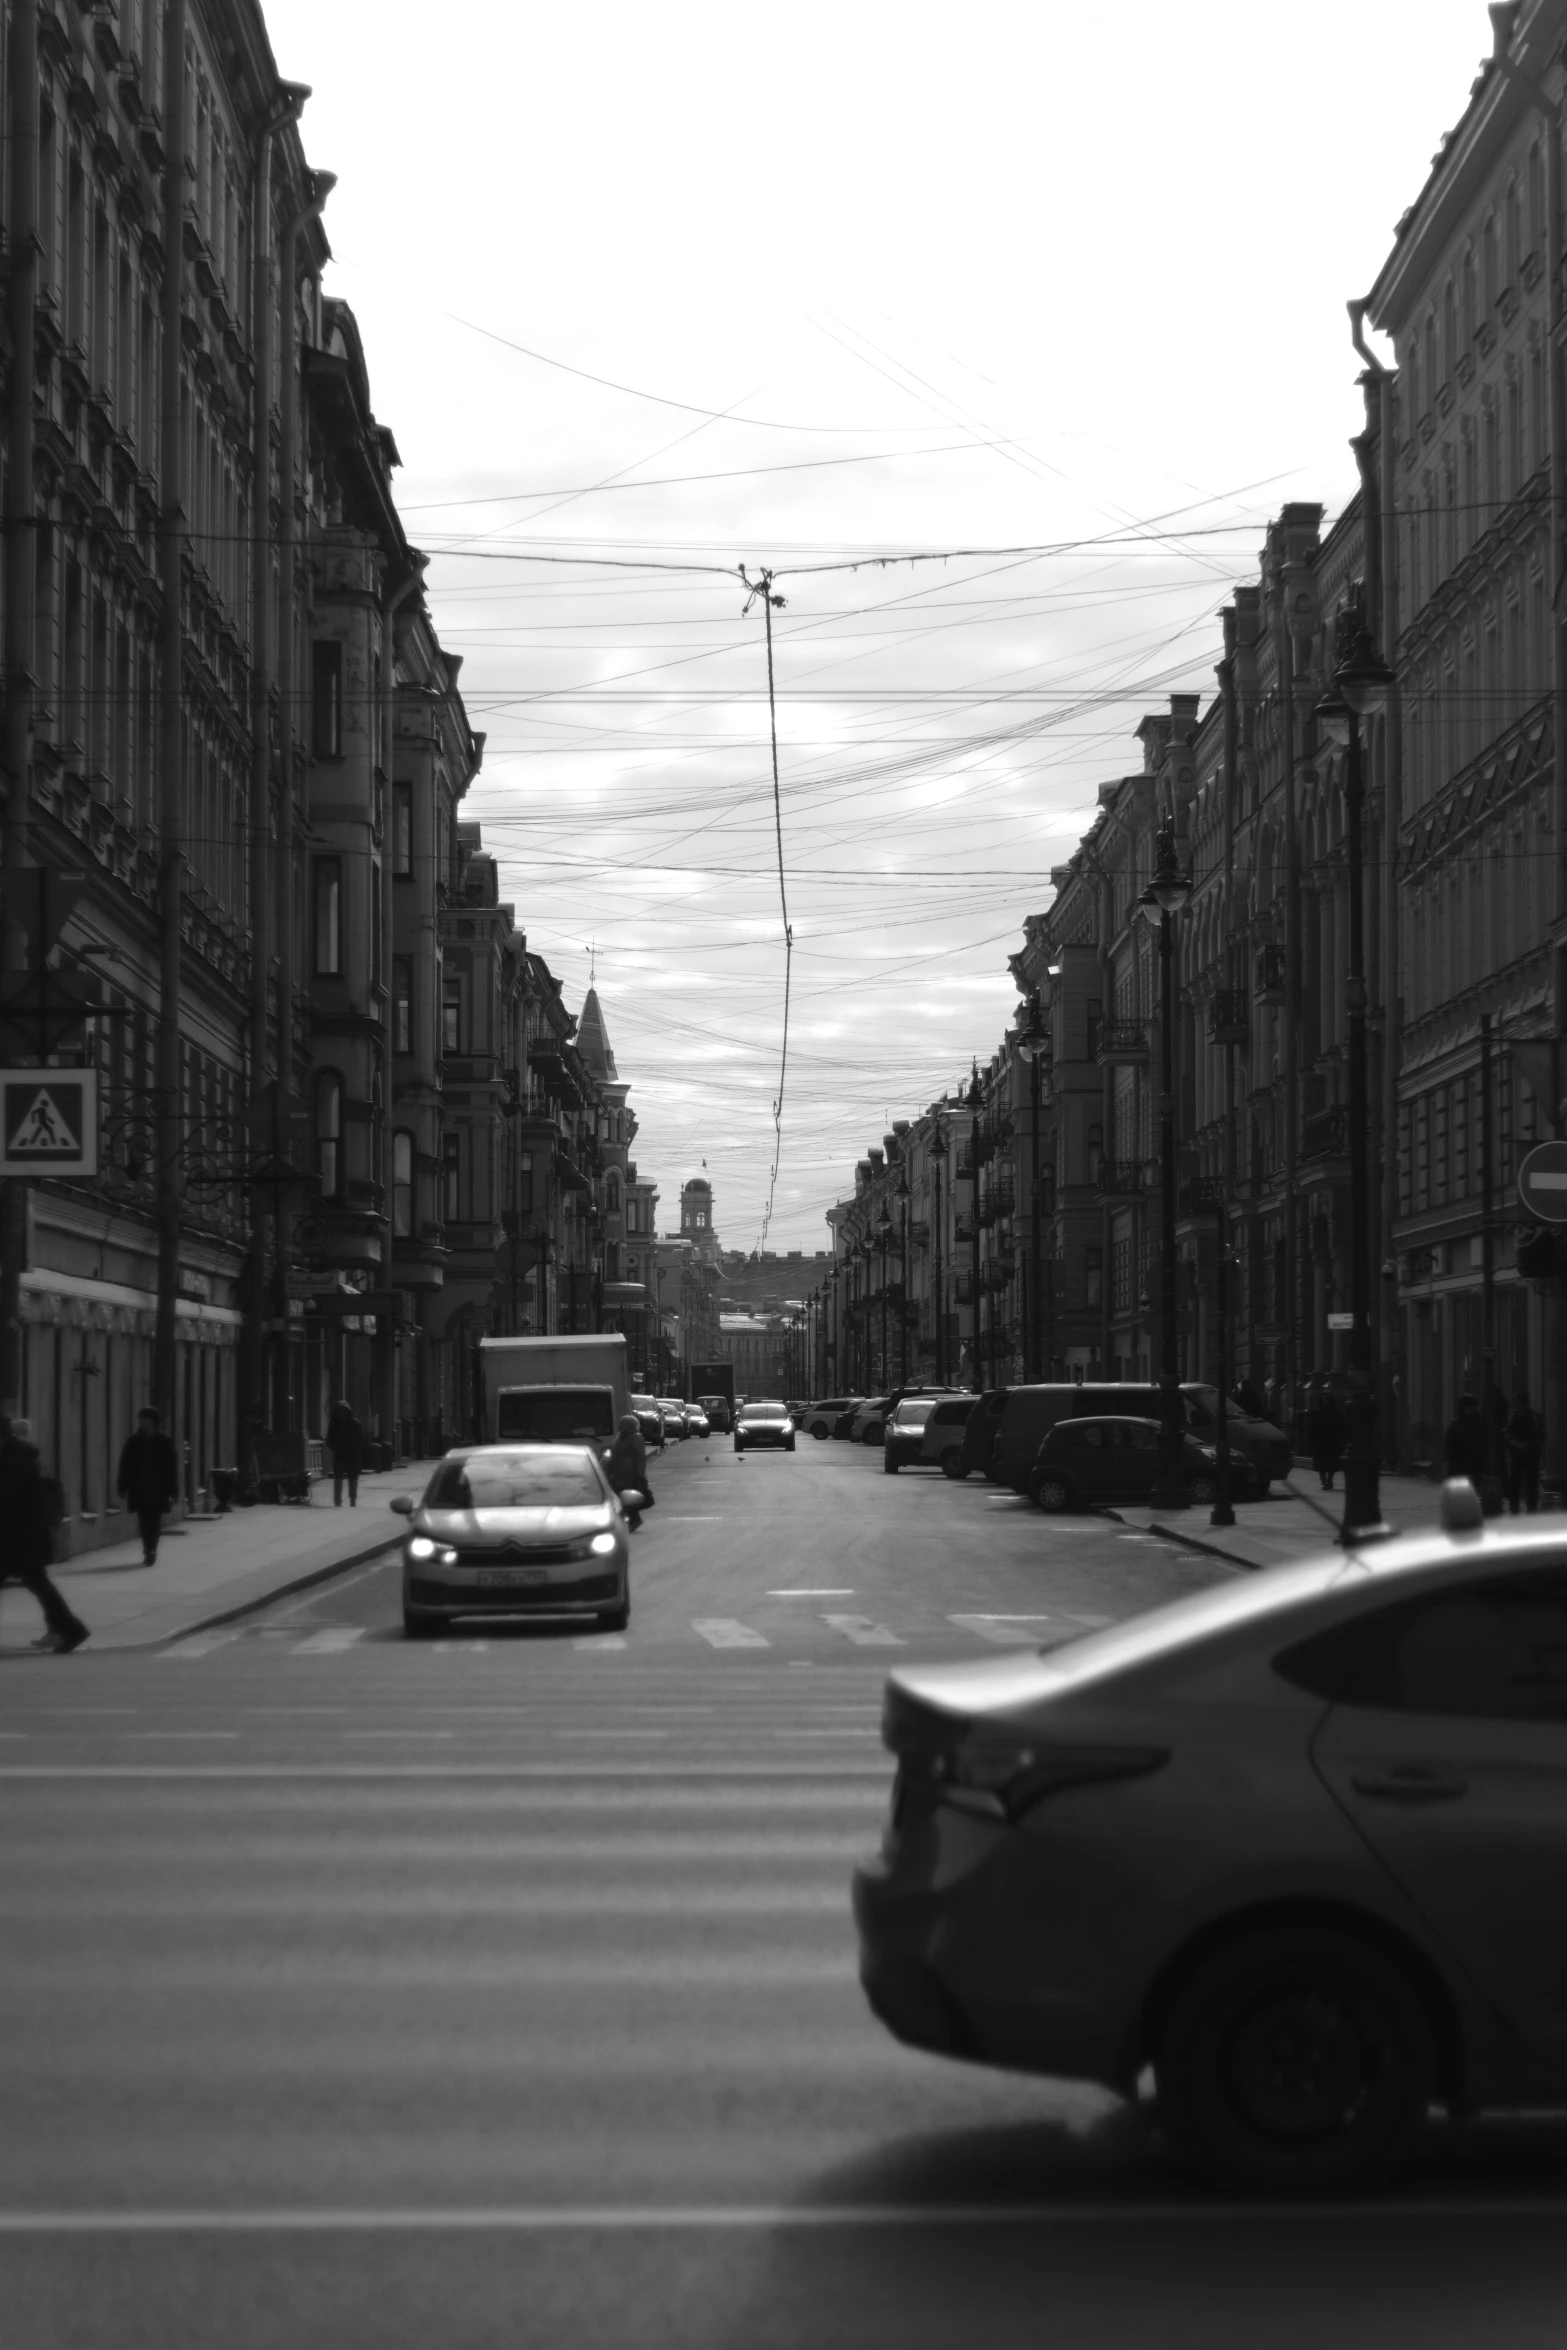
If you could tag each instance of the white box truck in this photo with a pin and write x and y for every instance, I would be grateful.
(555, 1390)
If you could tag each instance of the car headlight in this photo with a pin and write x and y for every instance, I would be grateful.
(602, 1545)
(788, 1427)
(421, 1547)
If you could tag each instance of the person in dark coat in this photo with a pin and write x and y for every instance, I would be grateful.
(1326, 1434)
(149, 1479)
(345, 1441)
(1466, 1446)
(27, 1536)
(1525, 1440)
(1251, 1399)
(626, 1466)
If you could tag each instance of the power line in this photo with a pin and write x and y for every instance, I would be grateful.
(762, 587)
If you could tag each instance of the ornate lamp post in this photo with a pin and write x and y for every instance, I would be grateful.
(1159, 904)
(1362, 680)
(903, 1234)
(1033, 1046)
(938, 1153)
(867, 1251)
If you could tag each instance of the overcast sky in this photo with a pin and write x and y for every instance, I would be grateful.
(861, 281)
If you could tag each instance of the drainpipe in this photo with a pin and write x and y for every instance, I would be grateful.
(171, 764)
(262, 616)
(393, 598)
(1382, 618)
(1550, 112)
(21, 579)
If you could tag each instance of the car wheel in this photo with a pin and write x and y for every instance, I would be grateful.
(1052, 1494)
(613, 1619)
(739, 1447)
(952, 1465)
(418, 1624)
(889, 1463)
(820, 1433)
(789, 1444)
(1296, 2063)
(1203, 1489)
(872, 1435)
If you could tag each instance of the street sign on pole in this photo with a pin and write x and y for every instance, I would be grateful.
(1341, 1321)
(48, 1121)
(1542, 1182)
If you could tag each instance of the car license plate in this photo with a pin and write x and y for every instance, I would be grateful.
(509, 1578)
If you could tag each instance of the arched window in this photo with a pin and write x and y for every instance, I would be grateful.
(612, 1194)
(402, 1184)
(329, 1133)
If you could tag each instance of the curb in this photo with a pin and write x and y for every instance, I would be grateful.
(263, 1599)
(1210, 1550)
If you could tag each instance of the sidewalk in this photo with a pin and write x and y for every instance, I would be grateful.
(1285, 1527)
(211, 1569)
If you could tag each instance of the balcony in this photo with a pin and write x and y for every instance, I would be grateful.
(963, 1289)
(1000, 1200)
(963, 1230)
(1121, 1179)
(1123, 1044)
(1229, 1021)
(996, 1273)
(1326, 1136)
(1204, 1195)
(1269, 979)
(965, 1168)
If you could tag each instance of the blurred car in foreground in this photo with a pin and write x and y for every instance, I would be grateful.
(818, 1418)
(1082, 1462)
(516, 1530)
(763, 1423)
(1298, 1842)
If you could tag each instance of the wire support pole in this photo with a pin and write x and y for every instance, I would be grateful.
(762, 586)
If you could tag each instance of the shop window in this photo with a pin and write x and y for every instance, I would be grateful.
(329, 1130)
(329, 916)
(402, 1184)
(402, 1004)
(326, 699)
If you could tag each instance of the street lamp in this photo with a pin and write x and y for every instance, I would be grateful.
(1160, 902)
(1033, 1047)
(903, 1302)
(883, 1235)
(1361, 679)
(938, 1151)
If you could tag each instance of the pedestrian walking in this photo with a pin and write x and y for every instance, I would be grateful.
(1525, 1440)
(1326, 1433)
(149, 1479)
(29, 1513)
(345, 1441)
(1466, 1445)
(627, 1466)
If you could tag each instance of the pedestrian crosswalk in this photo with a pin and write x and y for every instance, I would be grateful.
(821, 1629)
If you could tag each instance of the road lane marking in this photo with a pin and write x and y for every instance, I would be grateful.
(1001, 1631)
(330, 1642)
(728, 1632)
(639, 1734)
(176, 1733)
(692, 1521)
(600, 1640)
(863, 1632)
(827, 1591)
(397, 1733)
(199, 1644)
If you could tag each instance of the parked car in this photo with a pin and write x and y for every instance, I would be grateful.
(980, 1431)
(869, 1420)
(763, 1423)
(720, 1418)
(649, 1419)
(1294, 1841)
(695, 1419)
(1031, 1412)
(1117, 1459)
(674, 1419)
(516, 1530)
(942, 1443)
(843, 1426)
(817, 1418)
(904, 1433)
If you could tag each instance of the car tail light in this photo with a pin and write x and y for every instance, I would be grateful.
(996, 1770)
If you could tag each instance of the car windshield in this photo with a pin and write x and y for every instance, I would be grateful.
(913, 1415)
(514, 1481)
(763, 1411)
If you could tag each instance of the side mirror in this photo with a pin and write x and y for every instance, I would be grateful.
(630, 1499)
(403, 1504)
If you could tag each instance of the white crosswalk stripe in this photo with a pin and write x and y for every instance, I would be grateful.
(863, 1632)
(1003, 1631)
(331, 1642)
(728, 1632)
(199, 1644)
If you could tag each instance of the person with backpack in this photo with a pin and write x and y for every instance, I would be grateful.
(148, 1480)
(1524, 1437)
(626, 1466)
(29, 1513)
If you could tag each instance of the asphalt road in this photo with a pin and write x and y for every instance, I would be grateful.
(501, 1991)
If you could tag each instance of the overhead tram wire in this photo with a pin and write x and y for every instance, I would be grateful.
(762, 586)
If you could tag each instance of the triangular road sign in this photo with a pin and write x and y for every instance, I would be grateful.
(42, 1130)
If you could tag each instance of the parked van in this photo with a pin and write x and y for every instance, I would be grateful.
(1031, 1413)
(980, 1431)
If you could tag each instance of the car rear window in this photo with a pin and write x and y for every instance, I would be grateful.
(763, 1411)
(912, 1415)
(948, 1415)
(514, 1481)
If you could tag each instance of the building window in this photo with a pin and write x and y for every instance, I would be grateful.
(451, 1017)
(329, 1129)
(402, 1184)
(402, 830)
(402, 1005)
(1093, 1289)
(633, 1268)
(329, 915)
(612, 1197)
(525, 1182)
(326, 699)
(633, 1215)
(451, 1176)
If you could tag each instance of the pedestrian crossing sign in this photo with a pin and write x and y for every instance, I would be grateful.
(48, 1121)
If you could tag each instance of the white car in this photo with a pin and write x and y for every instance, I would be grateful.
(817, 1419)
(516, 1530)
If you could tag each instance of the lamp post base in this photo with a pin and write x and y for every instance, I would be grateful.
(1363, 1520)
